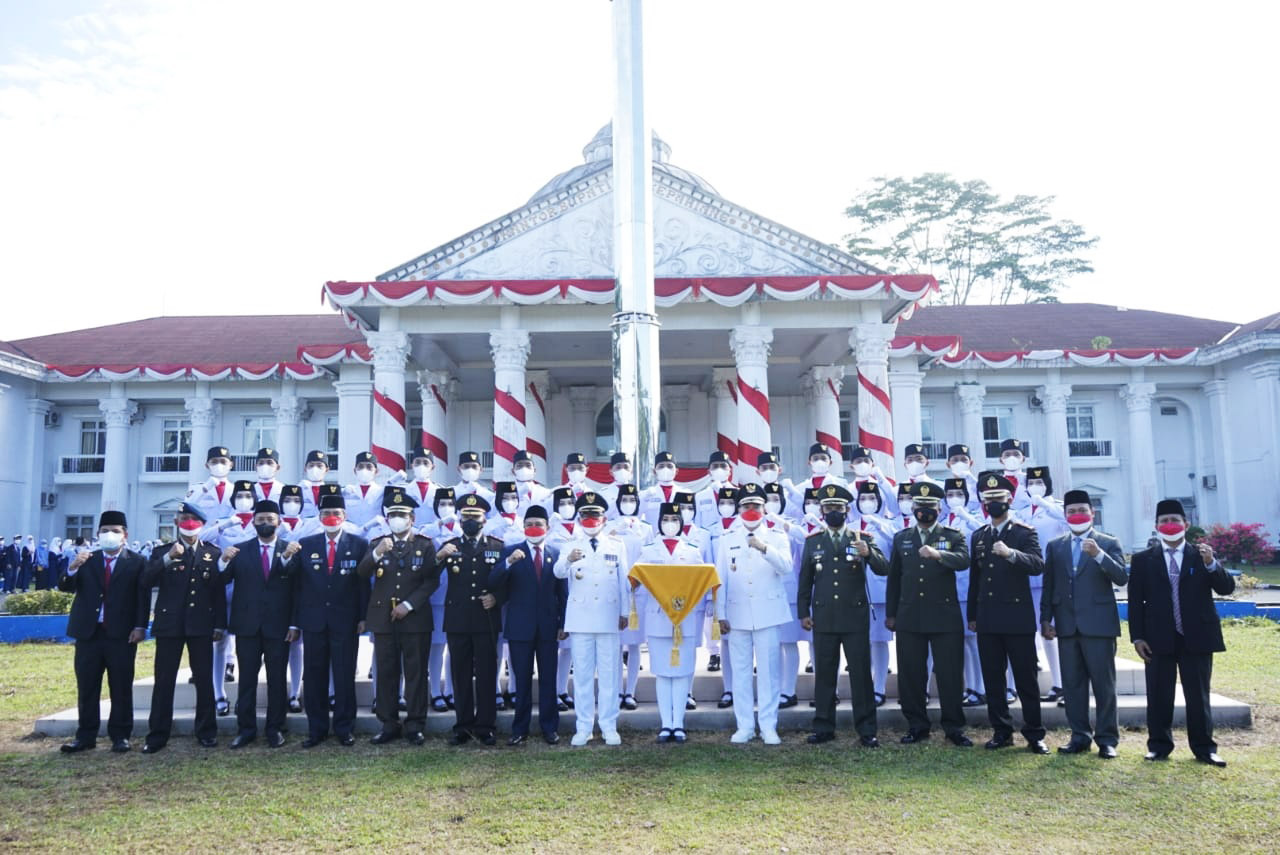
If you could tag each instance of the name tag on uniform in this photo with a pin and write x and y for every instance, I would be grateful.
(611, 558)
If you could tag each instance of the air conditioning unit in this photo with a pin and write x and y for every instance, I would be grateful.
(1210, 482)
(52, 419)
(48, 501)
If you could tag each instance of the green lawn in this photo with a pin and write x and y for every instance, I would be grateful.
(1269, 573)
(707, 795)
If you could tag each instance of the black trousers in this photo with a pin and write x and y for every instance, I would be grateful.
(913, 678)
(1196, 670)
(474, 654)
(254, 650)
(390, 651)
(826, 672)
(114, 657)
(326, 652)
(994, 650)
(523, 655)
(168, 658)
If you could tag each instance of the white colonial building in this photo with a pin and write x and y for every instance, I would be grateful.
(500, 340)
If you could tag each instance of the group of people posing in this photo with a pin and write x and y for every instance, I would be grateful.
(966, 576)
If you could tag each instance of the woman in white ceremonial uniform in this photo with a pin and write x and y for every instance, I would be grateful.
(446, 527)
(792, 633)
(958, 516)
(870, 520)
(635, 533)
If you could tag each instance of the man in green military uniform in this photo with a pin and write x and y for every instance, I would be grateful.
(405, 575)
(839, 615)
(925, 611)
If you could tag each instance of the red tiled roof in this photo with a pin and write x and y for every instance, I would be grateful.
(215, 339)
(1271, 323)
(1048, 326)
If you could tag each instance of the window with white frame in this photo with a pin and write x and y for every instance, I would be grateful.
(93, 437)
(997, 424)
(166, 529)
(331, 440)
(847, 439)
(259, 432)
(1080, 422)
(175, 436)
(80, 525)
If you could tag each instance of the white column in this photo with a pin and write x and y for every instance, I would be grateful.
(390, 353)
(538, 384)
(676, 400)
(1137, 396)
(1057, 452)
(582, 399)
(1216, 390)
(1266, 384)
(355, 399)
(822, 390)
(724, 389)
(971, 397)
(38, 408)
(118, 412)
(437, 389)
(870, 342)
(905, 380)
(290, 411)
(510, 349)
(750, 346)
(203, 412)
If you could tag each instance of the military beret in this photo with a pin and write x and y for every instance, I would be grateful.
(188, 508)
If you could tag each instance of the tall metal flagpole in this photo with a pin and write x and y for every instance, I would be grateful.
(636, 372)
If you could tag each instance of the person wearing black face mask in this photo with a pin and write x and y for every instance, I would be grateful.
(924, 609)
(1005, 555)
(472, 622)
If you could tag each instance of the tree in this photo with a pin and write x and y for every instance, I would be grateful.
(978, 246)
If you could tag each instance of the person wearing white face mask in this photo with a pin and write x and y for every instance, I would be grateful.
(213, 496)
(439, 677)
(872, 524)
(651, 498)
(956, 515)
(422, 468)
(719, 470)
(727, 514)
(294, 527)
(268, 466)
(960, 464)
(469, 470)
(791, 633)
(820, 459)
(563, 529)
(904, 518)
(316, 468)
(224, 534)
(1012, 461)
(915, 462)
(363, 498)
(507, 526)
(528, 491)
(575, 470)
(635, 533)
(620, 472)
(1044, 514)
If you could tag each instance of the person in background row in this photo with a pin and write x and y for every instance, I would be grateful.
(213, 496)
(439, 679)
(6, 566)
(872, 524)
(267, 487)
(316, 468)
(1078, 608)
(422, 466)
(108, 618)
(469, 470)
(1044, 514)
(957, 516)
(1175, 628)
(652, 498)
(363, 499)
(524, 469)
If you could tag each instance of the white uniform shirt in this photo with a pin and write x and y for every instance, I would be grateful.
(599, 592)
(754, 584)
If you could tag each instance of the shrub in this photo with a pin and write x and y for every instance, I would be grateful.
(1240, 543)
(39, 603)
(1246, 581)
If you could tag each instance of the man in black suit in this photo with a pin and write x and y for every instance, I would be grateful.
(1078, 607)
(261, 614)
(535, 601)
(6, 566)
(1004, 555)
(405, 575)
(108, 619)
(1175, 629)
(191, 612)
(329, 602)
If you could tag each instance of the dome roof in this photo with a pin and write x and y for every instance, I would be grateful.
(598, 156)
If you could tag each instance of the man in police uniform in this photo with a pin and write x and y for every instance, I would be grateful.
(191, 612)
(839, 615)
(405, 575)
(472, 623)
(1005, 553)
(925, 612)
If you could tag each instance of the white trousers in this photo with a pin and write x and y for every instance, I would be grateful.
(672, 692)
(763, 646)
(595, 654)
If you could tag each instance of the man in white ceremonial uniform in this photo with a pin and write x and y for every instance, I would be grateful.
(564, 529)
(673, 683)
(705, 501)
(213, 496)
(445, 528)
(652, 498)
(819, 474)
(294, 527)
(599, 603)
(1045, 514)
(267, 488)
(792, 633)
(363, 498)
(870, 521)
(422, 466)
(727, 517)
(960, 465)
(753, 562)
(635, 533)
(528, 490)
(575, 471)
(1012, 462)
(316, 469)
(957, 515)
(469, 470)
(620, 472)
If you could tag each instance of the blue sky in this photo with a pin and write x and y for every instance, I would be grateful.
(183, 158)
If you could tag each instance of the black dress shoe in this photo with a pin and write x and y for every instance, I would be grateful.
(915, 736)
(1155, 756)
(713, 664)
(223, 708)
(787, 702)
(664, 735)
(402, 705)
(461, 737)
(416, 738)
(438, 704)
(487, 739)
(499, 704)
(551, 738)
(819, 738)
(242, 740)
(1054, 693)
(152, 747)
(75, 746)
(970, 699)
(726, 701)
(384, 737)
(209, 742)
(869, 742)
(808, 669)
(628, 702)
(294, 706)
(448, 702)
(1037, 746)
(959, 740)
(997, 742)
(230, 675)
(560, 704)
(333, 702)
(880, 699)
(275, 740)
(1076, 748)
(518, 739)
(346, 740)
(1211, 759)
(1107, 752)
(690, 703)
(120, 746)
(678, 736)
(309, 742)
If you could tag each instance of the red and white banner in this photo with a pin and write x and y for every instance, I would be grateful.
(171, 371)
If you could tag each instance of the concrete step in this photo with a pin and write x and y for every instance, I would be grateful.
(644, 721)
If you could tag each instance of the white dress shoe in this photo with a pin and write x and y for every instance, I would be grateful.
(580, 739)
(612, 738)
(770, 737)
(741, 737)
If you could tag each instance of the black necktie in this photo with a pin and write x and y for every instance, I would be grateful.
(593, 544)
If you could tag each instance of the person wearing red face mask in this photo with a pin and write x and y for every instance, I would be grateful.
(1175, 629)
(1078, 607)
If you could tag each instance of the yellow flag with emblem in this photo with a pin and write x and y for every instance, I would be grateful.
(677, 589)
